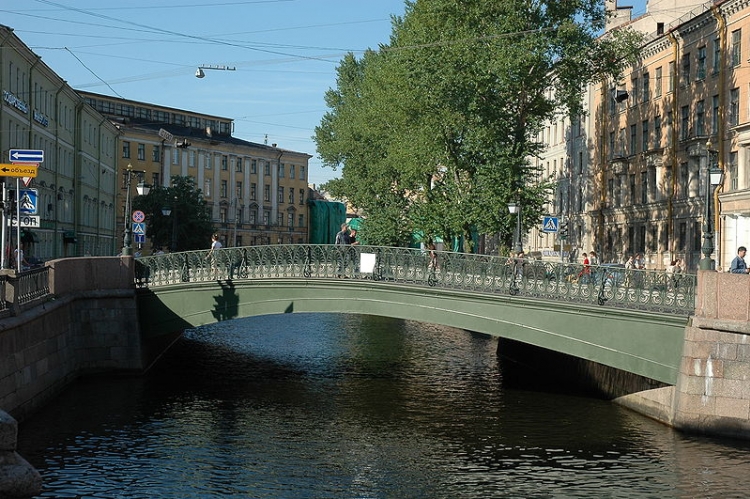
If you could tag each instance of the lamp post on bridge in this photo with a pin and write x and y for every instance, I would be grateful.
(142, 189)
(515, 209)
(714, 178)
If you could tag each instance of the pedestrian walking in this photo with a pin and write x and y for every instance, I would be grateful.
(738, 265)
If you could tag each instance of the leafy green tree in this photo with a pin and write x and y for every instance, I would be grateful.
(434, 131)
(187, 227)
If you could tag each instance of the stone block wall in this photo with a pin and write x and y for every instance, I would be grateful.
(712, 395)
(80, 331)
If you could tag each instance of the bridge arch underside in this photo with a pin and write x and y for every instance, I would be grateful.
(642, 343)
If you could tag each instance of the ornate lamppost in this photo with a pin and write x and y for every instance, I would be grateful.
(713, 179)
(515, 209)
(142, 189)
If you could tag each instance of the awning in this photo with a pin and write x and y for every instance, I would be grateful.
(28, 236)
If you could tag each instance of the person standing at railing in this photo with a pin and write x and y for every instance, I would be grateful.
(215, 245)
(22, 264)
(738, 265)
(343, 238)
(585, 274)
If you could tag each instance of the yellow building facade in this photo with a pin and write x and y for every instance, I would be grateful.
(257, 193)
(633, 172)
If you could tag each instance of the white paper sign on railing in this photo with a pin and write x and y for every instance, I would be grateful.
(367, 263)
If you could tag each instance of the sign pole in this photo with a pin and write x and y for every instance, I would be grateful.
(4, 228)
(18, 228)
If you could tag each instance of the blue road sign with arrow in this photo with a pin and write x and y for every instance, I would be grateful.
(26, 156)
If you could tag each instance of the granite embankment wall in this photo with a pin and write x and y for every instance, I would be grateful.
(88, 325)
(712, 395)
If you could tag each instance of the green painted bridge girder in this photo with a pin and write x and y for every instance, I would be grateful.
(644, 343)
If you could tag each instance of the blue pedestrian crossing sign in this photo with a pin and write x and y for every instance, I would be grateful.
(27, 203)
(139, 229)
(550, 224)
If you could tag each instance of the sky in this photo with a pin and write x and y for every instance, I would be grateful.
(284, 54)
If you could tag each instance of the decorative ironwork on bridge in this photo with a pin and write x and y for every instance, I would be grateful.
(606, 285)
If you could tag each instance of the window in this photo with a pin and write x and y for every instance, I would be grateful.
(632, 188)
(657, 131)
(736, 49)
(267, 193)
(238, 165)
(301, 220)
(207, 187)
(125, 149)
(644, 187)
(685, 70)
(301, 196)
(633, 141)
(209, 164)
(291, 195)
(657, 84)
(238, 190)
(682, 236)
(175, 156)
(223, 215)
(697, 236)
(671, 77)
(716, 63)
(224, 162)
(634, 91)
(253, 191)
(252, 217)
(644, 135)
(266, 217)
(141, 152)
(191, 159)
(267, 169)
(280, 194)
(156, 154)
(733, 173)
(734, 107)
(684, 122)
(281, 170)
(280, 219)
(223, 189)
(700, 118)
(254, 166)
(645, 94)
(685, 179)
(715, 114)
(291, 171)
(700, 72)
(611, 144)
(302, 173)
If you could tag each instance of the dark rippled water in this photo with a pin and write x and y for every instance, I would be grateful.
(339, 406)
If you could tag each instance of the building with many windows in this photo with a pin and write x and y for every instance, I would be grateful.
(633, 175)
(257, 193)
(75, 184)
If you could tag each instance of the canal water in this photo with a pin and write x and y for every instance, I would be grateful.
(351, 406)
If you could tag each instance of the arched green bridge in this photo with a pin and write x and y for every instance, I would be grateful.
(629, 320)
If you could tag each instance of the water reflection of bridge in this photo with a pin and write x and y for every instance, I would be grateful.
(630, 320)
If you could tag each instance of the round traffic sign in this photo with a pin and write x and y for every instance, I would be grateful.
(138, 216)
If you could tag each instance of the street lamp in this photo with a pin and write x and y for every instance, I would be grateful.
(515, 209)
(714, 179)
(167, 211)
(142, 189)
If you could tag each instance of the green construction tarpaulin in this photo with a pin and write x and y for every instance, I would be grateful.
(326, 218)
